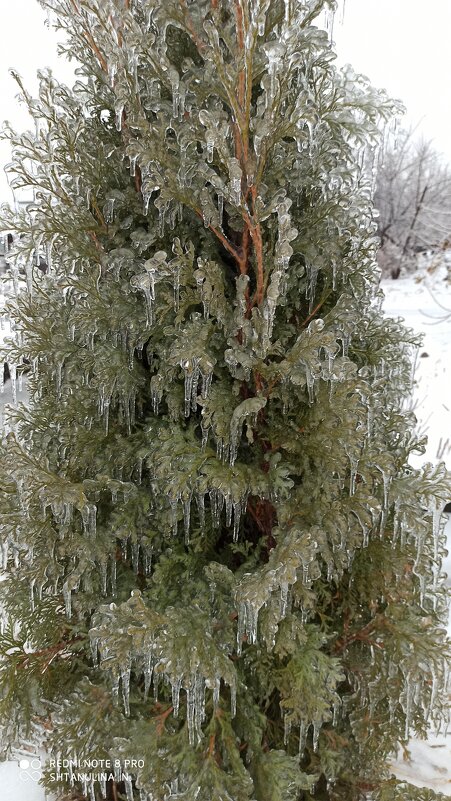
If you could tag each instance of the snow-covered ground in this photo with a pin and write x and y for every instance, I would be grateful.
(424, 301)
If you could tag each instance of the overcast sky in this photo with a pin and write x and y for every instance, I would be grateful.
(402, 45)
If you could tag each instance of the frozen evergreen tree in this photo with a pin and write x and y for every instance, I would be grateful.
(217, 559)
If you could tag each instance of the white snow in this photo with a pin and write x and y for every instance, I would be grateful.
(21, 783)
(424, 301)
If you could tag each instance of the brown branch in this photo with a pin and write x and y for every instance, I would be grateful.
(223, 239)
(95, 239)
(312, 314)
(90, 40)
(362, 635)
(98, 213)
(138, 179)
(241, 48)
(161, 718)
(245, 247)
(257, 241)
(51, 652)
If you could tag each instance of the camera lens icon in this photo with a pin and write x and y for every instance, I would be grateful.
(30, 769)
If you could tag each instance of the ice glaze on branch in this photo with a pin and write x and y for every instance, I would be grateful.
(90, 39)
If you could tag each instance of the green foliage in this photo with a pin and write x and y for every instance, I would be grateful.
(217, 558)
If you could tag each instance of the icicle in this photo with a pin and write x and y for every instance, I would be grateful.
(286, 729)
(128, 787)
(117, 764)
(108, 210)
(204, 442)
(236, 175)
(13, 377)
(220, 208)
(103, 575)
(161, 219)
(274, 52)
(176, 687)
(334, 275)
(343, 10)
(247, 624)
(206, 369)
(248, 408)
(330, 18)
(354, 463)
(148, 561)
(175, 88)
(94, 643)
(216, 691)
(135, 556)
(316, 730)
(146, 202)
(310, 381)
(190, 368)
(336, 712)
(190, 714)
(106, 414)
(436, 518)
(229, 509)
(148, 670)
(408, 706)
(233, 700)
(119, 118)
(156, 391)
(174, 504)
(210, 140)
(283, 599)
(237, 512)
(303, 729)
(215, 508)
(199, 704)
(200, 502)
(88, 514)
(32, 583)
(187, 517)
(126, 691)
(146, 283)
(67, 595)
(133, 160)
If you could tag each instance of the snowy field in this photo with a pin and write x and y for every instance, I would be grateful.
(424, 301)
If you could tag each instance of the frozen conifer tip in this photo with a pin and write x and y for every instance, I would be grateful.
(218, 562)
